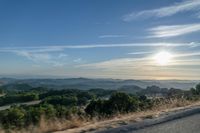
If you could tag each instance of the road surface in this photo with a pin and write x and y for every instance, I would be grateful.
(189, 124)
(25, 103)
(183, 122)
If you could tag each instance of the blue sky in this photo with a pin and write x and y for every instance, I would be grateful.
(100, 38)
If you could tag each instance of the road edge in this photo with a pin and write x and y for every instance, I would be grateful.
(170, 116)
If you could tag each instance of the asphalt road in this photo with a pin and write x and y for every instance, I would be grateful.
(189, 124)
(185, 121)
(25, 103)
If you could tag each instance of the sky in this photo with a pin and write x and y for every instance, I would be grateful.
(123, 39)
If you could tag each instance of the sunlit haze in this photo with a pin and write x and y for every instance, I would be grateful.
(163, 58)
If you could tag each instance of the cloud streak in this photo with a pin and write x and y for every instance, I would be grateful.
(147, 61)
(56, 48)
(140, 53)
(56, 61)
(173, 30)
(188, 5)
(112, 36)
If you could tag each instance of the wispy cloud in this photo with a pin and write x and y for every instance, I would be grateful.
(112, 36)
(37, 57)
(62, 55)
(78, 60)
(173, 30)
(147, 62)
(188, 54)
(43, 57)
(145, 68)
(188, 5)
(115, 63)
(60, 48)
(194, 44)
(140, 53)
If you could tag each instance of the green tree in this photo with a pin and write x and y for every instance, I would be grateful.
(198, 89)
(193, 91)
(118, 103)
(14, 117)
(122, 102)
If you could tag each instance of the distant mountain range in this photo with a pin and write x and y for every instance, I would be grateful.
(85, 83)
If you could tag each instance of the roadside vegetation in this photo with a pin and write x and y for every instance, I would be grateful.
(69, 108)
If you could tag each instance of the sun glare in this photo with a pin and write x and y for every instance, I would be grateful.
(163, 58)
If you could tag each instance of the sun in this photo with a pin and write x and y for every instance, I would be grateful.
(163, 58)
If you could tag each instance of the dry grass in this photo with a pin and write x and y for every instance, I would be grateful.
(77, 124)
(47, 126)
(171, 103)
(163, 107)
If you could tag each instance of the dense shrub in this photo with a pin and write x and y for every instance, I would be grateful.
(13, 117)
(118, 103)
(62, 100)
(17, 98)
